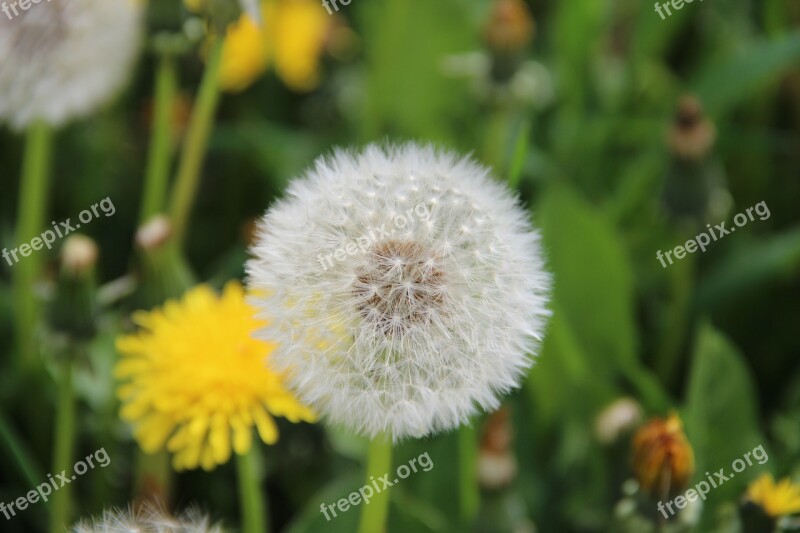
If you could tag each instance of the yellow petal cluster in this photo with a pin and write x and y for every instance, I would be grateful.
(777, 499)
(291, 37)
(245, 55)
(299, 35)
(196, 381)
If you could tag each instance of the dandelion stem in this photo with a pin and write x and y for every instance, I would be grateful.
(468, 494)
(160, 150)
(196, 143)
(253, 500)
(153, 483)
(30, 221)
(379, 461)
(64, 445)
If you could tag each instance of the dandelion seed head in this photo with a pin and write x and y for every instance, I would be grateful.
(62, 60)
(149, 519)
(407, 289)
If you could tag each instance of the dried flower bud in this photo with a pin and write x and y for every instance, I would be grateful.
(497, 466)
(691, 135)
(663, 460)
(511, 26)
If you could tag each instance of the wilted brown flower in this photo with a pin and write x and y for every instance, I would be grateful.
(497, 466)
(510, 27)
(691, 134)
(663, 460)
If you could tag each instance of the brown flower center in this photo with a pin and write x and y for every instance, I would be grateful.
(402, 286)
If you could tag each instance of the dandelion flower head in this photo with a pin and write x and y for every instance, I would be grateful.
(776, 499)
(62, 60)
(196, 380)
(407, 285)
(149, 519)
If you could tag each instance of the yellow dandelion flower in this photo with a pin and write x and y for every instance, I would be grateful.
(196, 381)
(776, 500)
(299, 37)
(663, 460)
(291, 37)
(244, 55)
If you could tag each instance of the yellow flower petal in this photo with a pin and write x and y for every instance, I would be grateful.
(778, 499)
(195, 380)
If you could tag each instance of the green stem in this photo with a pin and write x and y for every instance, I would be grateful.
(64, 445)
(379, 461)
(157, 176)
(677, 320)
(468, 493)
(498, 139)
(252, 498)
(21, 455)
(153, 476)
(521, 147)
(196, 143)
(30, 221)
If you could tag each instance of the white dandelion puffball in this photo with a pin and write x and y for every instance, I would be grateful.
(62, 59)
(149, 519)
(403, 286)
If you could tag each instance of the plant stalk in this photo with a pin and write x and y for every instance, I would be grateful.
(379, 461)
(30, 221)
(196, 143)
(251, 494)
(160, 150)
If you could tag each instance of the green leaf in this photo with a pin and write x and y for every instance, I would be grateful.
(721, 412)
(594, 290)
(739, 77)
(753, 265)
(406, 41)
(593, 280)
(312, 520)
(561, 371)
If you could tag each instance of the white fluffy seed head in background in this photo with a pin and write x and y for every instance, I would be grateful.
(150, 519)
(62, 59)
(404, 286)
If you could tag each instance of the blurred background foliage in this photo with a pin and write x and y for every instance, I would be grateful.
(584, 108)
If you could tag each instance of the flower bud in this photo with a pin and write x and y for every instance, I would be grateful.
(663, 460)
(691, 135)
